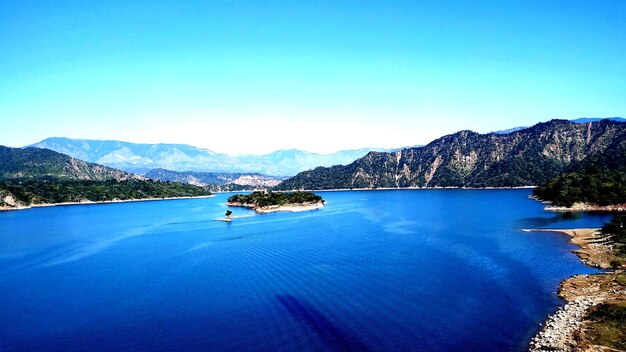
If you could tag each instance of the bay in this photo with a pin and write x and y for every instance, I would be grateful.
(388, 270)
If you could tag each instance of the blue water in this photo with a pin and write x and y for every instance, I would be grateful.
(424, 270)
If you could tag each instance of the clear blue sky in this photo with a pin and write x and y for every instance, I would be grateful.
(255, 76)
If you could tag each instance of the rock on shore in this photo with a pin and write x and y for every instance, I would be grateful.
(557, 333)
(563, 329)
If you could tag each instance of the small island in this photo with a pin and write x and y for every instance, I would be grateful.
(266, 201)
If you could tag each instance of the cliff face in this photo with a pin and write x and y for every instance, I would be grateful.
(526, 157)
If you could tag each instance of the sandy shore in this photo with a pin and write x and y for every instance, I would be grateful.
(5, 208)
(565, 329)
(593, 251)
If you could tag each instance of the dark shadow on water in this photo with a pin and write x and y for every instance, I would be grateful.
(230, 238)
(335, 338)
(543, 222)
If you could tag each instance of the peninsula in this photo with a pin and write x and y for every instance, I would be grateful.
(266, 202)
(595, 309)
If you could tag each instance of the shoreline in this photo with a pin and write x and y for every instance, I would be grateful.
(586, 207)
(290, 208)
(276, 208)
(383, 189)
(45, 205)
(581, 207)
(407, 189)
(563, 329)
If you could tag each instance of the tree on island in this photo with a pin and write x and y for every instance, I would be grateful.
(228, 213)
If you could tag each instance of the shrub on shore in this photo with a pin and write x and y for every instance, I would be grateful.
(608, 325)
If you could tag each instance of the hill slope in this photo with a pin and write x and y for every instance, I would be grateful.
(39, 176)
(37, 163)
(597, 183)
(526, 157)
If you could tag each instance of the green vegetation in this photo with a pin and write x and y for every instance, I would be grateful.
(607, 328)
(35, 163)
(599, 187)
(615, 232)
(334, 177)
(599, 180)
(48, 191)
(266, 199)
(33, 176)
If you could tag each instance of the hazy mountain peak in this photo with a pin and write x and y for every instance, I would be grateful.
(596, 119)
(182, 157)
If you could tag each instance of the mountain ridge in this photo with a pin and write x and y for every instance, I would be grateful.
(526, 157)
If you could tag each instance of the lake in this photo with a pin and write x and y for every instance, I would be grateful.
(398, 270)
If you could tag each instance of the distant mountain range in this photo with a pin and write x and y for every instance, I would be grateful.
(525, 157)
(580, 120)
(136, 157)
(596, 119)
(215, 178)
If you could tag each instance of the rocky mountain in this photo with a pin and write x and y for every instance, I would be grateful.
(526, 157)
(35, 163)
(596, 183)
(214, 178)
(182, 157)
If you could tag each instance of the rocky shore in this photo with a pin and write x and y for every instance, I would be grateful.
(564, 330)
(558, 331)
(275, 208)
(588, 208)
